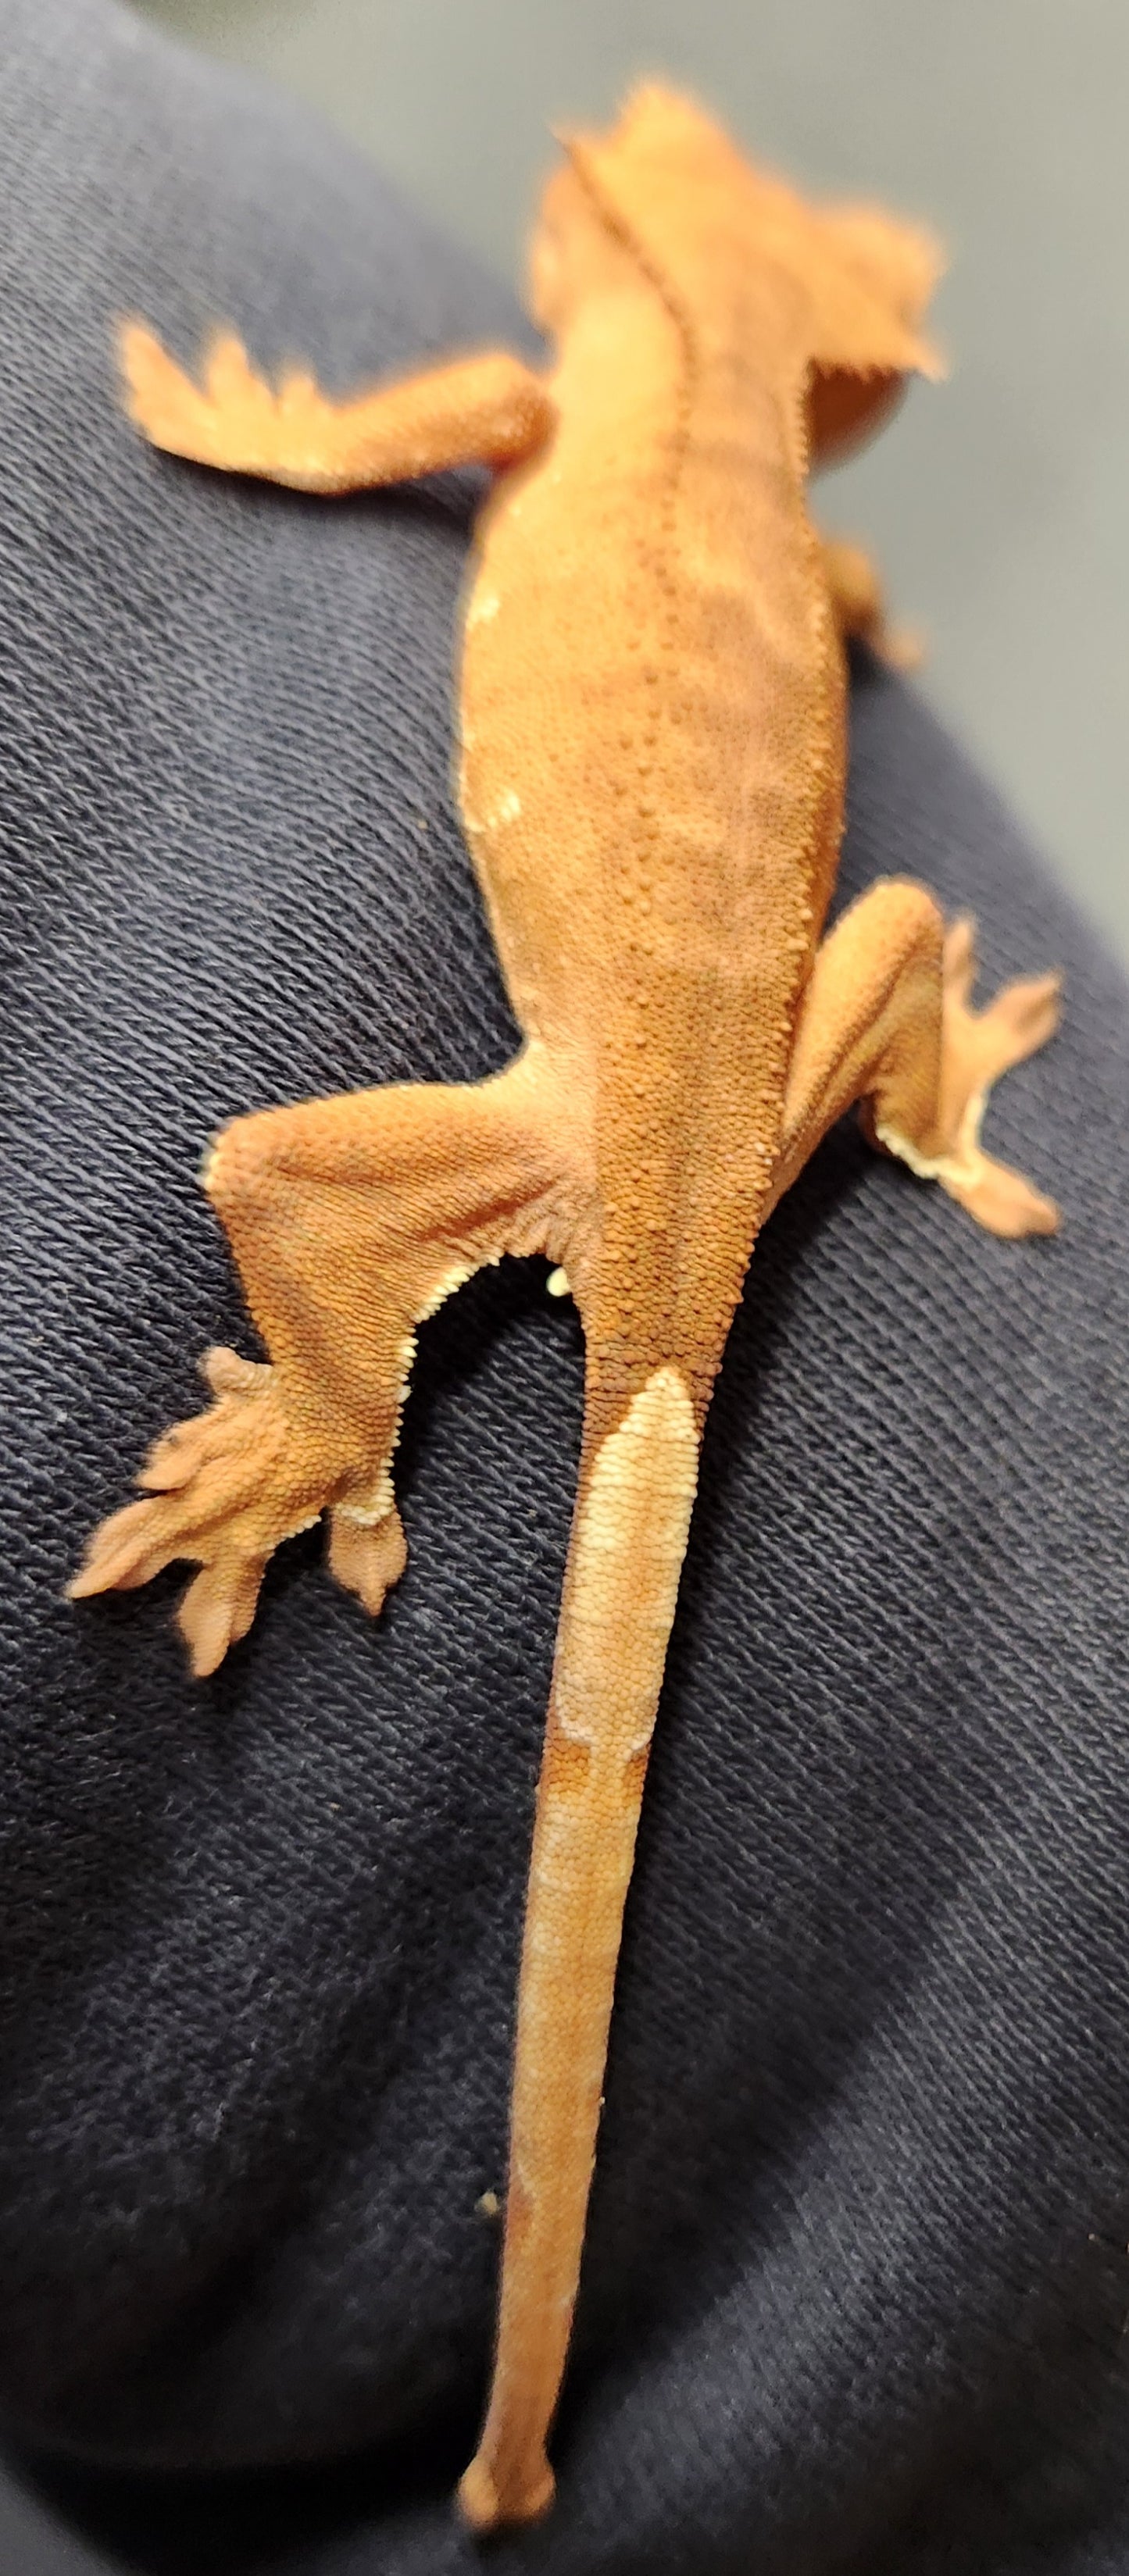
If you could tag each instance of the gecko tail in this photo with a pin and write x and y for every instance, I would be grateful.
(625, 1558)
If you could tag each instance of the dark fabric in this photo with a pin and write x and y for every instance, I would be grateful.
(857, 2278)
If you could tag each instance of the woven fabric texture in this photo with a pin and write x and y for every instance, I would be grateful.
(856, 2279)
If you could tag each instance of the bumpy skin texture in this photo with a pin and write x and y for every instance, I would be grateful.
(652, 729)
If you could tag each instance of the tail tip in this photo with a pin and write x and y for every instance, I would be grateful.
(484, 2504)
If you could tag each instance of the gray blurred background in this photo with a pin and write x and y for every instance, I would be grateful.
(998, 502)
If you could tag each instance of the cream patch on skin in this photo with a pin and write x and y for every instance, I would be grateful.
(506, 810)
(373, 1506)
(455, 1277)
(625, 1561)
(628, 1549)
(962, 1164)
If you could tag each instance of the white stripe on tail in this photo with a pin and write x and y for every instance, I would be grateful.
(628, 1543)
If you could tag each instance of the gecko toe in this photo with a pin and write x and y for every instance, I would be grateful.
(367, 1557)
(218, 1608)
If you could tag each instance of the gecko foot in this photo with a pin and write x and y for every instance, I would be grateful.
(237, 420)
(231, 421)
(976, 1048)
(859, 606)
(1019, 1020)
(220, 1490)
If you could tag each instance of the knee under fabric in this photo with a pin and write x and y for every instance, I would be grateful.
(855, 2278)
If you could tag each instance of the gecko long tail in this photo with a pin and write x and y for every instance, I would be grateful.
(628, 1542)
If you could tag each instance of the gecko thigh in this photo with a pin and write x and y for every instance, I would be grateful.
(352, 1218)
(870, 1026)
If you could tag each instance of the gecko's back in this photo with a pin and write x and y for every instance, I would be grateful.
(652, 705)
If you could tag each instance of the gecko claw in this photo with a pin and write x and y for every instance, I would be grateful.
(116, 1559)
(218, 1608)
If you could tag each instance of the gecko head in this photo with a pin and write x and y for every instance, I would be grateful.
(618, 193)
(848, 285)
(852, 283)
(570, 252)
(595, 210)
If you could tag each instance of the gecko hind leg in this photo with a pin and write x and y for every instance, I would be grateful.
(887, 1021)
(350, 1219)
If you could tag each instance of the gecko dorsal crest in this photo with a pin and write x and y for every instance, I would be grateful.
(653, 750)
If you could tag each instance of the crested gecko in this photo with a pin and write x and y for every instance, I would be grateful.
(652, 750)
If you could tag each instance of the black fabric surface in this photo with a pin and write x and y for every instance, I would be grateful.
(857, 2283)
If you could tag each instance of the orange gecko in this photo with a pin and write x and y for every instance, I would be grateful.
(653, 732)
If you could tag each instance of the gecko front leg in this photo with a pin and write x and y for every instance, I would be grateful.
(887, 1021)
(350, 1220)
(489, 407)
(858, 603)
